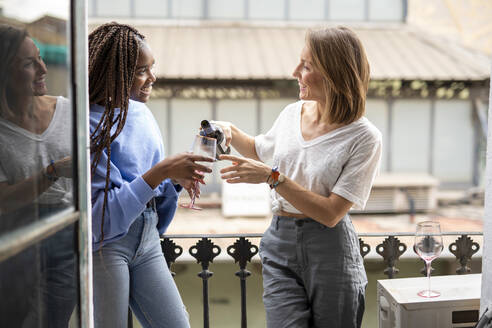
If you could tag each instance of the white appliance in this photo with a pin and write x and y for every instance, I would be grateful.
(457, 307)
(392, 192)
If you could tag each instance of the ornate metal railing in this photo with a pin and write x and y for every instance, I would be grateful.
(242, 251)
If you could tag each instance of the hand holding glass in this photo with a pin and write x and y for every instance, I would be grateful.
(428, 245)
(201, 146)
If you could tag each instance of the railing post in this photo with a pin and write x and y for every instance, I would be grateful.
(364, 248)
(463, 248)
(171, 252)
(205, 251)
(391, 249)
(242, 251)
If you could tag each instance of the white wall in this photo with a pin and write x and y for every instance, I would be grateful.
(453, 141)
(225, 9)
(347, 10)
(385, 10)
(271, 9)
(486, 296)
(377, 113)
(270, 109)
(159, 109)
(151, 8)
(186, 116)
(113, 8)
(306, 9)
(241, 113)
(410, 139)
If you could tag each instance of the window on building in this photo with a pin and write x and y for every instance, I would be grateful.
(152, 8)
(114, 8)
(225, 9)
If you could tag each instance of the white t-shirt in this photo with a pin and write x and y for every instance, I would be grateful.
(343, 161)
(23, 153)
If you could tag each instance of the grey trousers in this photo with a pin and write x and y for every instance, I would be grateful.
(313, 276)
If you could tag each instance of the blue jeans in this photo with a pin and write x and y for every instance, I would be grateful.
(132, 272)
(55, 296)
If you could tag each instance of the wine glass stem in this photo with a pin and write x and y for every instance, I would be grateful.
(428, 267)
(192, 202)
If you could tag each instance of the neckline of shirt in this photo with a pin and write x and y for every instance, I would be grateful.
(136, 105)
(29, 134)
(323, 137)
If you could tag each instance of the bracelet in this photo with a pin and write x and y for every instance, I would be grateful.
(53, 176)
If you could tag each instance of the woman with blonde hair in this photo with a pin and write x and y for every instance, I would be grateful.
(320, 158)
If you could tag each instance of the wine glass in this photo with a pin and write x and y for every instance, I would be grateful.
(206, 146)
(428, 245)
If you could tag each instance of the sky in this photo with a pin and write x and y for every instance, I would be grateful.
(29, 10)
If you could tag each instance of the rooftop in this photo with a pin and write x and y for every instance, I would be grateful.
(238, 51)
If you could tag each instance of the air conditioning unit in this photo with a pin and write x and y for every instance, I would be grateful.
(398, 193)
(458, 306)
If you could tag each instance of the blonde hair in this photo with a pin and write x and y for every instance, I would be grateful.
(339, 56)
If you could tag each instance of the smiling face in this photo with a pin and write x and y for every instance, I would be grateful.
(144, 75)
(310, 81)
(27, 72)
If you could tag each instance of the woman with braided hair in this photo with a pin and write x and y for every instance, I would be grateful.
(134, 193)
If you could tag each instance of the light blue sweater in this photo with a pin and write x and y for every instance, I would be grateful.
(136, 149)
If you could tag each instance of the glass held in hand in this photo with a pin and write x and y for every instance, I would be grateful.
(428, 245)
(205, 146)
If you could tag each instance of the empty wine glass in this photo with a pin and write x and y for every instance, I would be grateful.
(201, 146)
(428, 245)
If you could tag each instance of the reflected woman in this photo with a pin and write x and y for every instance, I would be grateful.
(35, 175)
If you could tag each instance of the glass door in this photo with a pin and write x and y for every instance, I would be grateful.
(44, 232)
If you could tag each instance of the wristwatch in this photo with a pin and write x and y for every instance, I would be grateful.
(277, 177)
(50, 172)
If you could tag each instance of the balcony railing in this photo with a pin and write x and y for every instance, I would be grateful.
(243, 250)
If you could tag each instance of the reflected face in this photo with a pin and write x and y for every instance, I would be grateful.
(144, 75)
(310, 81)
(27, 72)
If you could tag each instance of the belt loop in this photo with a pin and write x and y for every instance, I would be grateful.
(276, 222)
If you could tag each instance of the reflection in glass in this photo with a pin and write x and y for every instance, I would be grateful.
(36, 170)
(35, 129)
(38, 285)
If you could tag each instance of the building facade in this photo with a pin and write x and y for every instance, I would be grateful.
(232, 60)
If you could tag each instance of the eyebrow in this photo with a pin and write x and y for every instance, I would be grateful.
(142, 66)
(26, 58)
(38, 54)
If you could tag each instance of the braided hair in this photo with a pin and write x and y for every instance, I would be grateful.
(113, 55)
